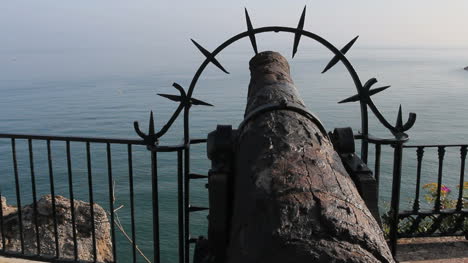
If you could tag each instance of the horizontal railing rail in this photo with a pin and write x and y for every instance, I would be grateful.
(435, 145)
(72, 138)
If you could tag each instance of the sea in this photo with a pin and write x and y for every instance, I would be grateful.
(78, 93)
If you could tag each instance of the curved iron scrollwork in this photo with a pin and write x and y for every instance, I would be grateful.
(152, 138)
(364, 91)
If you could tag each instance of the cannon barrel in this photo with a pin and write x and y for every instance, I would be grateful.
(292, 199)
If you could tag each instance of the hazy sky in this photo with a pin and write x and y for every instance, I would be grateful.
(101, 23)
(120, 36)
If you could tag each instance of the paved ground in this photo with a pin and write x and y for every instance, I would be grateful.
(411, 250)
(434, 250)
(13, 260)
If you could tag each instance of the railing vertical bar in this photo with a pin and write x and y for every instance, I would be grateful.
(34, 195)
(395, 202)
(52, 193)
(420, 154)
(132, 201)
(111, 200)
(441, 153)
(180, 201)
(18, 193)
(378, 150)
(91, 199)
(463, 152)
(1, 222)
(154, 180)
(72, 201)
(187, 203)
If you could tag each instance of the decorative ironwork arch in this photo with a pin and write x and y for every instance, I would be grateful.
(364, 91)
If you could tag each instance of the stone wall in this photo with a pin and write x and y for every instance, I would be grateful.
(64, 225)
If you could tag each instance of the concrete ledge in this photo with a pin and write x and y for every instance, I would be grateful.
(16, 260)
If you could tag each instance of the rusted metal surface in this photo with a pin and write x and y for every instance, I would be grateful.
(293, 200)
(366, 183)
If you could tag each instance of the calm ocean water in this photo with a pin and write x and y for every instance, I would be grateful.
(77, 93)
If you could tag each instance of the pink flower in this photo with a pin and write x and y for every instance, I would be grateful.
(445, 189)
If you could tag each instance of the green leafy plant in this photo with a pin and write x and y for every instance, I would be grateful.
(447, 222)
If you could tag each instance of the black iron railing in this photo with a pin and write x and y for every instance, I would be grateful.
(183, 178)
(452, 212)
(433, 218)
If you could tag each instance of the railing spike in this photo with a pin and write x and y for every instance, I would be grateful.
(151, 125)
(377, 90)
(335, 59)
(209, 56)
(171, 97)
(251, 33)
(399, 121)
(183, 97)
(298, 34)
(178, 98)
(350, 99)
(370, 93)
(194, 101)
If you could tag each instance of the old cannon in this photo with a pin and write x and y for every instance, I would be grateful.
(280, 191)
